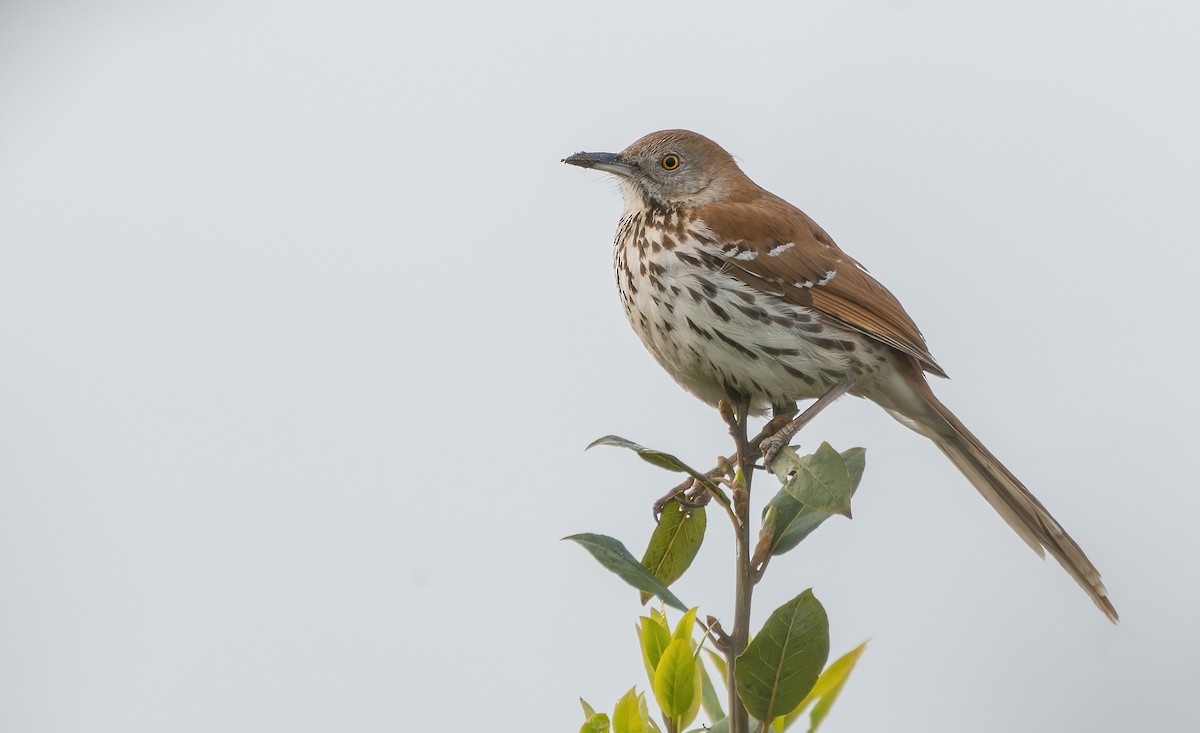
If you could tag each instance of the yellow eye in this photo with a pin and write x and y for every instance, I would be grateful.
(670, 162)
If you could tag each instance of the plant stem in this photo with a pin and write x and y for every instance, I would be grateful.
(739, 721)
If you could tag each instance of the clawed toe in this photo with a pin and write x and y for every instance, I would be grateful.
(690, 494)
(770, 449)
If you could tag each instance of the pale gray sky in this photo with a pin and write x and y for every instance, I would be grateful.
(305, 327)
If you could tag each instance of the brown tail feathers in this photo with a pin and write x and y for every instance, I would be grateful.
(1021, 509)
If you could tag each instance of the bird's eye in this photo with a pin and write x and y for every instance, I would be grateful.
(670, 162)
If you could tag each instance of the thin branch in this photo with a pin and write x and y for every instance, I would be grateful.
(735, 418)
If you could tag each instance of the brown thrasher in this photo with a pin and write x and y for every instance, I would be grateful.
(741, 297)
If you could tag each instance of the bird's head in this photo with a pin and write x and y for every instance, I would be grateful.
(671, 168)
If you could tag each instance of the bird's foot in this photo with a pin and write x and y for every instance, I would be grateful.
(690, 494)
(772, 444)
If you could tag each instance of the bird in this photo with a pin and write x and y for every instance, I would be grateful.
(740, 296)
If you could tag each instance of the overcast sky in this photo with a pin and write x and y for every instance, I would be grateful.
(303, 328)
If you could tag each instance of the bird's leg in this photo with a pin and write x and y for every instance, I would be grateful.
(691, 493)
(772, 445)
(780, 415)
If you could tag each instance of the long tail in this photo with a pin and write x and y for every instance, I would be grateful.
(1021, 509)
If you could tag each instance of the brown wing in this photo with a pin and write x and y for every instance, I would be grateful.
(773, 246)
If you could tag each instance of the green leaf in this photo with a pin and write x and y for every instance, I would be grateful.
(647, 721)
(612, 554)
(856, 463)
(821, 480)
(693, 711)
(627, 716)
(588, 710)
(687, 622)
(783, 722)
(662, 460)
(794, 521)
(656, 457)
(782, 663)
(708, 694)
(654, 639)
(831, 682)
(675, 679)
(674, 543)
(719, 662)
(597, 723)
(824, 692)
